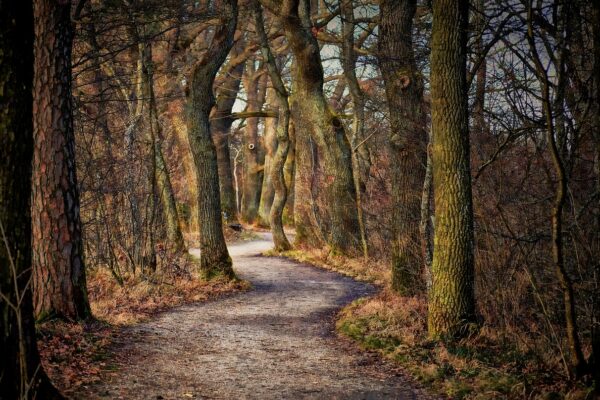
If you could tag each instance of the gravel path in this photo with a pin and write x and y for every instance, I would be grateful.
(273, 342)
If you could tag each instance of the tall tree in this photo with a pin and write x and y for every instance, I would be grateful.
(161, 170)
(407, 137)
(214, 257)
(322, 131)
(21, 374)
(255, 84)
(283, 138)
(59, 270)
(360, 153)
(451, 300)
(595, 358)
(270, 147)
(221, 126)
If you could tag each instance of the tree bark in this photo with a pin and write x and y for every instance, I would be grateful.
(214, 257)
(267, 192)
(221, 127)
(315, 122)
(21, 374)
(162, 175)
(451, 300)
(254, 81)
(59, 271)
(360, 153)
(283, 143)
(407, 139)
(595, 356)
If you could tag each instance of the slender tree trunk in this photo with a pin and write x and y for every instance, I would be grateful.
(59, 271)
(214, 257)
(451, 300)
(311, 112)
(289, 173)
(162, 175)
(283, 144)
(255, 84)
(21, 374)
(270, 144)
(407, 139)
(221, 127)
(360, 153)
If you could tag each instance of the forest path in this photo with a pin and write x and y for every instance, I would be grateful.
(275, 341)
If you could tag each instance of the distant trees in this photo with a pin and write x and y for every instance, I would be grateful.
(452, 295)
(59, 269)
(322, 133)
(21, 374)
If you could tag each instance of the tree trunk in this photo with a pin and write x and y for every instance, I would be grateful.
(360, 154)
(59, 272)
(283, 144)
(315, 122)
(21, 374)
(451, 300)
(407, 139)
(214, 257)
(162, 176)
(270, 144)
(595, 357)
(255, 84)
(221, 127)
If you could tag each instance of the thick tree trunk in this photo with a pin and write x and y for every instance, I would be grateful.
(221, 127)
(407, 139)
(283, 143)
(214, 257)
(595, 357)
(267, 192)
(59, 272)
(21, 374)
(451, 300)
(255, 84)
(315, 122)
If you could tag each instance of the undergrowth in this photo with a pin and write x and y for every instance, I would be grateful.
(79, 353)
(486, 365)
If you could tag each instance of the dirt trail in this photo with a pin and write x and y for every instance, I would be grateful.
(273, 342)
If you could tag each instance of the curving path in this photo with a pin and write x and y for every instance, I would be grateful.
(273, 342)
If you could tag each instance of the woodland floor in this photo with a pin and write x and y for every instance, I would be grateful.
(275, 341)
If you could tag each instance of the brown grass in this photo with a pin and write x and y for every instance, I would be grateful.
(487, 365)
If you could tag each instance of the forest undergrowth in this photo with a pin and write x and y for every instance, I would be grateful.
(487, 364)
(79, 353)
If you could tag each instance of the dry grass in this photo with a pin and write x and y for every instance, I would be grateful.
(75, 354)
(487, 365)
(140, 297)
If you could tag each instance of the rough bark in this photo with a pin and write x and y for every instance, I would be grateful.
(221, 126)
(21, 374)
(315, 122)
(267, 192)
(407, 139)
(360, 154)
(255, 83)
(214, 257)
(595, 356)
(59, 273)
(283, 143)
(451, 300)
